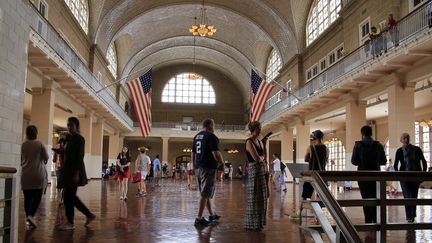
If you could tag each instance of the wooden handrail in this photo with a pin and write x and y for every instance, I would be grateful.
(346, 226)
(7, 170)
(372, 175)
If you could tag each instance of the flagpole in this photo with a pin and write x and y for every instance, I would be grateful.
(280, 85)
(120, 80)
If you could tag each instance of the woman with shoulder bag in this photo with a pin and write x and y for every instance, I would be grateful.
(317, 156)
(74, 174)
(257, 193)
(123, 172)
(34, 177)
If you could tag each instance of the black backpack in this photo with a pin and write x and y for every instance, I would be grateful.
(282, 166)
(370, 155)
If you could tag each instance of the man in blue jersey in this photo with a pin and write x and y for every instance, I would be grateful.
(206, 158)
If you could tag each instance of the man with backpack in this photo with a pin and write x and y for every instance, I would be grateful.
(368, 155)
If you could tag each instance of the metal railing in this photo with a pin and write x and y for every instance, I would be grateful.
(7, 203)
(193, 126)
(56, 42)
(405, 30)
(345, 229)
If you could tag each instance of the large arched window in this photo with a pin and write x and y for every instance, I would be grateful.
(322, 14)
(188, 88)
(274, 64)
(112, 60)
(79, 9)
(336, 155)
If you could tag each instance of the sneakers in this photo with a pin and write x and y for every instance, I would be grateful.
(284, 190)
(89, 219)
(67, 226)
(121, 198)
(125, 199)
(214, 218)
(31, 221)
(201, 222)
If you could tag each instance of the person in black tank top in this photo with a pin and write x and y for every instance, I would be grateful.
(317, 156)
(256, 186)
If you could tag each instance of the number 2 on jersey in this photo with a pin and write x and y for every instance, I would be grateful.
(198, 147)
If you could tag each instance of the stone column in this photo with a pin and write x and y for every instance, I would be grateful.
(42, 116)
(165, 141)
(113, 149)
(95, 169)
(302, 140)
(355, 120)
(287, 146)
(401, 115)
(86, 123)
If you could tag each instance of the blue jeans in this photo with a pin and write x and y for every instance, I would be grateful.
(410, 190)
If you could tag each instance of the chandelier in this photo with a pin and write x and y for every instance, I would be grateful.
(203, 28)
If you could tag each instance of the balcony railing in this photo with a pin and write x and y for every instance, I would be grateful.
(344, 230)
(47, 32)
(406, 29)
(7, 203)
(193, 126)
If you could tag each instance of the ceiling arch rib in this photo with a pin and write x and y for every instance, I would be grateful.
(244, 41)
(188, 41)
(252, 12)
(219, 60)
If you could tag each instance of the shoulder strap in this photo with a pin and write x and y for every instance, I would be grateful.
(316, 155)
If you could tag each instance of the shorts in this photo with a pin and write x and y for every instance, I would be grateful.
(191, 172)
(143, 175)
(206, 182)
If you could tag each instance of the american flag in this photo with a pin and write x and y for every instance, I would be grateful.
(260, 92)
(140, 92)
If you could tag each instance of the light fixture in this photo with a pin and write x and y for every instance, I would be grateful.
(187, 150)
(233, 151)
(426, 123)
(203, 28)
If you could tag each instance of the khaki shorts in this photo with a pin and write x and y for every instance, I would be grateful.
(206, 182)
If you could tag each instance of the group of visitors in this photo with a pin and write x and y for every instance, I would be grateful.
(377, 42)
(70, 170)
(368, 154)
(143, 168)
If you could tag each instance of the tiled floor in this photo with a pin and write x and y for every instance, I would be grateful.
(168, 212)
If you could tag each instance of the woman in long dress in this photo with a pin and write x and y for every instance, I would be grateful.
(256, 186)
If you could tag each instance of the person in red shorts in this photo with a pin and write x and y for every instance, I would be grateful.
(123, 172)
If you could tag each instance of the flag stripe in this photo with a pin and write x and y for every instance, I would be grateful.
(260, 92)
(140, 103)
(141, 98)
(137, 110)
(140, 93)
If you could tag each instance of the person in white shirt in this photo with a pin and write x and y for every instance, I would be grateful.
(190, 174)
(143, 162)
(278, 175)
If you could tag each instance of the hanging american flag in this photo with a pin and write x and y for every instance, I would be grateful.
(260, 92)
(140, 92)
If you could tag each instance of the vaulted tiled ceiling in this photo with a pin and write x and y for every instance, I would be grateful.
(158, 35)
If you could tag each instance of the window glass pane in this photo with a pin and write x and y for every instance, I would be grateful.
(112, 60)
(188, 88)
(274, 64)
(323, 13)
(80, 11)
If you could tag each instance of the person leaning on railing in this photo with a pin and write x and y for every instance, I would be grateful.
(409, 156)
(368, 155)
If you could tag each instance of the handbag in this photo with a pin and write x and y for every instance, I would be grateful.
(136, 177)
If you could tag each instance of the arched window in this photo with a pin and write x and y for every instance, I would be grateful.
(79, 9)
(274, 64)
(188, 88)
(322, 14)
(336, 155)
(112, 60)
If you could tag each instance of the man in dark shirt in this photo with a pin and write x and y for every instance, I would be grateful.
(368, 155)
(411, 158)
(205, 158)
